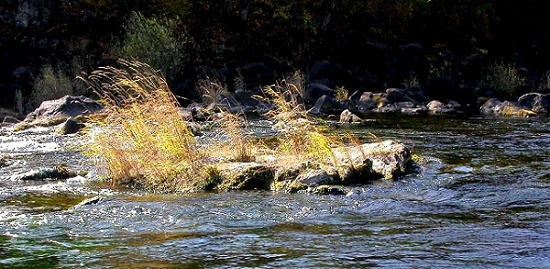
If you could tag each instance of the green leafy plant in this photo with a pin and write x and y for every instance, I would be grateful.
(154, 41)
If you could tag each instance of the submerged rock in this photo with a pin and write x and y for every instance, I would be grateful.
(89, 201)
(53, 173)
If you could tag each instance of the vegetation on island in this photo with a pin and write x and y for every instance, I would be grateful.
(142, 140)
(137, 56)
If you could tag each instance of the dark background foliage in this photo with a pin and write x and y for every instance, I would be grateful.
(215, 34)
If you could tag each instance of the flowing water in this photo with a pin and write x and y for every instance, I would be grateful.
(481, 199)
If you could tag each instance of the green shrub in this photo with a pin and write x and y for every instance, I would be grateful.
(504, 80)
(155, 42)
(55, 81)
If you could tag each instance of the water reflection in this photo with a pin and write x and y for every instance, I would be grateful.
(481, 200)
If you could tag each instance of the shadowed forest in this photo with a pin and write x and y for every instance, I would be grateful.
(44, 44)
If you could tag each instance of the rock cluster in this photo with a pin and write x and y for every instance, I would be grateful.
(352, 165)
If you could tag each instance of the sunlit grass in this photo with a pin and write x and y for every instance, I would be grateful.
(300, 137)
(142, 140)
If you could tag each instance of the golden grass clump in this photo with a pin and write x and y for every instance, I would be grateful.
(143, 140)
(300, 137)
(233, 141)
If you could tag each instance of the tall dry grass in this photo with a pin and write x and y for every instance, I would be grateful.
(300, 138)
(143, 140)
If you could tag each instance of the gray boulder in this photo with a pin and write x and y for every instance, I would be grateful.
(314, 177)
(494, 106)
(326, 105)
(395, 95)
(365, 102)
(316, 90)
(348, 116)
(438, 107)
(56, 111)
(387, 159)
(537, 102)
(246, 176)
(49, 173)
(70, 126)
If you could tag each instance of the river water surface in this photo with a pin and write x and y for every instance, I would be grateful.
(481, 199)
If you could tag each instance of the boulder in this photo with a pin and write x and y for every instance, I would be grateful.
(414, 58)
(367, 80)
(314, 178)
(410, 108)
(70, 126)
(365, 102)
(537, 102)
(442, 88)
(331, 73)
(246, 98)
(348, 116)
(326, 105)
(50, 173)
(473, 67)
(316, 90)
(257, 73)
(387, 159)
(53, 112)
(187, 92)
(394, 95)
(354, 164)
(438, 107)
(418, 95)
(387, 108)
(246, 176)
(494, 106)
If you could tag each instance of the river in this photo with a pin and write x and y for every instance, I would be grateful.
(481, 199)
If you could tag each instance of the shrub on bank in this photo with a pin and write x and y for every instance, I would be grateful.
(154, 41)
(55, 81)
